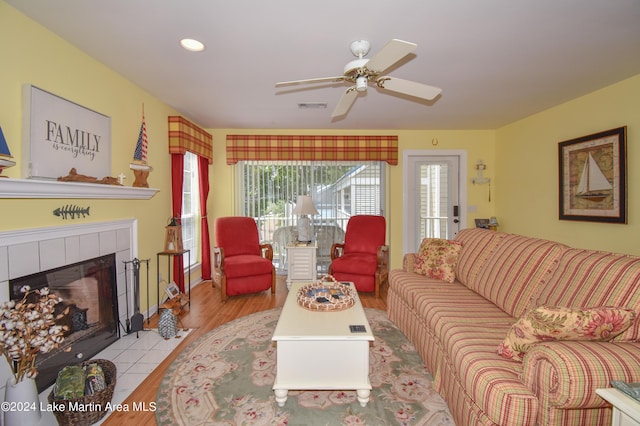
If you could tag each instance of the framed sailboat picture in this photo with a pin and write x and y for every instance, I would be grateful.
(593, 177)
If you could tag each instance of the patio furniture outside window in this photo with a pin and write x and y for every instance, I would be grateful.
(268, 191)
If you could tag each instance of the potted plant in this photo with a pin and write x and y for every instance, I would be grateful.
(27, 327)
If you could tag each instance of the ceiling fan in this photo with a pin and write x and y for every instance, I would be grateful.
(361, 71)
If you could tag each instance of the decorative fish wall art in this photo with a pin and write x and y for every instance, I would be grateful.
(71, 211)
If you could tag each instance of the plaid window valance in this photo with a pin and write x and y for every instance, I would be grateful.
(186, 136)
(312, 148)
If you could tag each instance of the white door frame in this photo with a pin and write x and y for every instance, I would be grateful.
(462, 209)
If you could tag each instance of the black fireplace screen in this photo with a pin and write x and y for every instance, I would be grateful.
(89, 290)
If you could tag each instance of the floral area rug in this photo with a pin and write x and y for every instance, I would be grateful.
(226, 378)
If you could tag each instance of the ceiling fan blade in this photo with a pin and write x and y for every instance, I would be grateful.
(310, 80)
(391, 53)
(407, 87)
(347, 99)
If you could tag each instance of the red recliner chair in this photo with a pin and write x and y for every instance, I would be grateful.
(363, 258)
(241, 264)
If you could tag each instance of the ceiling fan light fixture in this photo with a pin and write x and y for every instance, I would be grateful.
(192, 45)
(361, 83)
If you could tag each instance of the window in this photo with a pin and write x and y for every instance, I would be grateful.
(268, 192)
(191, 207)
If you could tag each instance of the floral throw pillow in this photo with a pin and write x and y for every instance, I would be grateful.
(437, 258)
(547, 323)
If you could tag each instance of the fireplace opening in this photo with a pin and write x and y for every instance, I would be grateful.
(89, 290)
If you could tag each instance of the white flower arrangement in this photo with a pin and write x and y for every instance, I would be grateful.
(28, 327)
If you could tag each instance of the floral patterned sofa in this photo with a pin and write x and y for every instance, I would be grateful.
(514, 328)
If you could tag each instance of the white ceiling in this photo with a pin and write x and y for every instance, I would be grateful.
(497, 61)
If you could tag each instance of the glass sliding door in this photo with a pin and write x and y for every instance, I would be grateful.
(268, 192)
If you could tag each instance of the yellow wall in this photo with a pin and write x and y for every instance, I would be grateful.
(527, 169)
(521, 157)
(477, 143)
(33, 55)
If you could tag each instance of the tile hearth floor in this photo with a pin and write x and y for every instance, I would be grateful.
(135, 358)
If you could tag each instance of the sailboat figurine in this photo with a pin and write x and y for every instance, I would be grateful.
(139, 165)
(593, 185)
(5, 154)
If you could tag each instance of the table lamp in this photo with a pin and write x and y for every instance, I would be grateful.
(304, 207)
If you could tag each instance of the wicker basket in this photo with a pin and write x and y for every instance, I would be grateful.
(98, 400)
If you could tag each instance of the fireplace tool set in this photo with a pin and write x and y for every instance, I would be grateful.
(136, 322)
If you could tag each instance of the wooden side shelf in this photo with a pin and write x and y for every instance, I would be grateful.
(184, 298)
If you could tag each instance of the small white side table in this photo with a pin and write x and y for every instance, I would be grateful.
(626, 410)
(302, 264)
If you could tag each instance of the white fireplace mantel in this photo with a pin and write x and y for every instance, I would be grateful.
(33, 188)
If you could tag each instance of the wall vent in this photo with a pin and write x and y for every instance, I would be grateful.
(312, 105)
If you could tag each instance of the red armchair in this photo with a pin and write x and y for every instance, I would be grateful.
(363, 258)
(241, 264)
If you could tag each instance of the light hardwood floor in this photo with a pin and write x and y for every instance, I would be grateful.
(206, 313)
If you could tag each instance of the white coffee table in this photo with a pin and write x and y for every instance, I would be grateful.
(626, 410)
(317, 350)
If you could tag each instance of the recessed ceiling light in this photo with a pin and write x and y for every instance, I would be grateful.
(192, 45)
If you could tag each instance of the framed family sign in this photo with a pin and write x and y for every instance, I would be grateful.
(61, 135)
(593, 177)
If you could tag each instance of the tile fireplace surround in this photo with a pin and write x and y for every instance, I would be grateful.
(27, 251)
